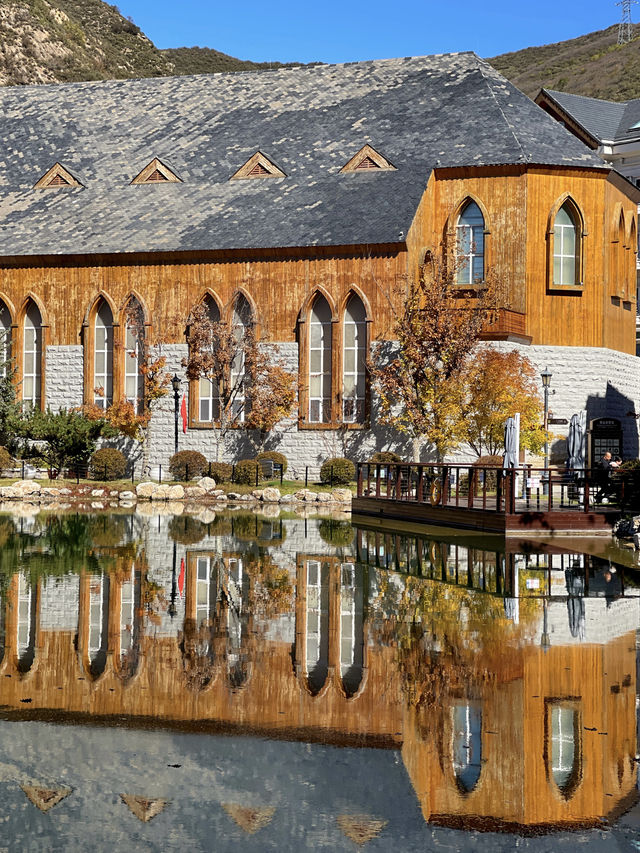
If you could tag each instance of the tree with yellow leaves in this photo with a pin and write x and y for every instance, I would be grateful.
(499, 384)
(423, 386)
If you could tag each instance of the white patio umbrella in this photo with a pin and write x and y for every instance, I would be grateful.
(511, 442)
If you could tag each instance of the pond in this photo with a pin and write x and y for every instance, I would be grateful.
(244, 682)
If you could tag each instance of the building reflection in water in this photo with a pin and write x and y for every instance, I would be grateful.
(507, 678)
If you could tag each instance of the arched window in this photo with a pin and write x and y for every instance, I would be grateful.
(242, 321)
(5, 340)
(134, 355)
(566, 247)
(208, 392)
(320, 342)
(129, 623)
(98, 623)
(354, 359)
(467, 744)
(317, 624)
(470, 244)
(32, 356)
(26, 623)
(103, 356)
(237, 590)
(351, 628)
(563, 752)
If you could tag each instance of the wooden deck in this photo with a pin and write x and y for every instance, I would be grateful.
(435, 495)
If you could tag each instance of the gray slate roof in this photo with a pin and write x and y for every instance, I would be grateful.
(599, 118)
(420, 113)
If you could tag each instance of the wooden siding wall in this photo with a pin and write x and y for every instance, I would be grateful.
(517, 204)
(276, 283)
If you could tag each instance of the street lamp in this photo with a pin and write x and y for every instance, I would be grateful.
(546, 382)
(175, 384)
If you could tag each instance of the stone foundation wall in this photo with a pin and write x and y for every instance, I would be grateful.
(602, 381)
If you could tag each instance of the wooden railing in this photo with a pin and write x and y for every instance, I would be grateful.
(516, 490)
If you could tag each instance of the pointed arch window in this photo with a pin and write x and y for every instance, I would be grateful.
(320, 372)
(103, 356)
(351, 627)
(5, 340)
(208, 391)
(467, 744)
(563, 747)
(32, 356)
(470, 229)
(354, 358)
(98, 623)
(134, 355)
(317, 624)
(565, 247)
(242, 322)
(26, 623)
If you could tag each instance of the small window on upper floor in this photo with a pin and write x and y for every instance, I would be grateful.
(470, 229)
(57, 176)
(565, 247)
(258, 166)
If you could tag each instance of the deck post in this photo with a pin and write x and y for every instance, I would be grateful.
(472, 485)
(498, 489)
(359, 480)
(420, 487)
(377, 481)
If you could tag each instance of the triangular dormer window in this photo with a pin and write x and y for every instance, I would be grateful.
(366, 160)
(156, 173)
(258, 166)
(57, 176)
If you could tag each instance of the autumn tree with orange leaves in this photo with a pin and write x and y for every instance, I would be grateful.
(249, 388)
(499, 384)
(423, 386)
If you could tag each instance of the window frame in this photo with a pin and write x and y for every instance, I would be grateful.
(19, 346)
(568, 202)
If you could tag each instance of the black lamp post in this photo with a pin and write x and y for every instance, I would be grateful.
(175, 384)
(172, 610)
(546, 382)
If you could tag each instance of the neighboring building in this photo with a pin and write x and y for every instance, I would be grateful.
(612, 128)
(299, 200)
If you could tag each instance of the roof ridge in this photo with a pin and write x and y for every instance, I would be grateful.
(482, 65)
(588, 97)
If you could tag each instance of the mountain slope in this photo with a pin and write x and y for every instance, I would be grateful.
(593, 65)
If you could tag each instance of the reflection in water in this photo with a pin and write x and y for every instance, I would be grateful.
(487, 666)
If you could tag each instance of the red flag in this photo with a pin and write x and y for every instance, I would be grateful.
(181, 577)
(183, 413)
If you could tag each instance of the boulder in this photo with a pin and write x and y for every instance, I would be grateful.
(175, 493)
(194, 492)
(271, 495)
(287, 499)
(127, 495)
(324, 497)
(234, 496)
(160, 492)
(257, 494)
(342, 495)
(206, 483)
(27, 487)
(145, 490)
(9, 492)
(310, 497)
(97, 493)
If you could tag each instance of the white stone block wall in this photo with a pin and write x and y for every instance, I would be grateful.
(602, 381)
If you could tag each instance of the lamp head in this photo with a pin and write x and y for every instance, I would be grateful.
(175, 383)
(546, 377)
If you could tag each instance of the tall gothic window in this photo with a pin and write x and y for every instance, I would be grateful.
(103, 356)
(351, 628)
(133, 356)
(467, 744)
(5, 340)
(354, 361)
(32, 356)
(470, 244)
(242, 321)
(320, 342)
(317, 624)
(566, 256)
(208, 392)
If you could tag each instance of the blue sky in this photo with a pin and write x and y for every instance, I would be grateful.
(343, 32)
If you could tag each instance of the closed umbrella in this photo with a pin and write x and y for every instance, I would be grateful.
(576, 440)
(575, 602)
(511, 442)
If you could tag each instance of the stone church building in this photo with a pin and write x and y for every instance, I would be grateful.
(299, 200)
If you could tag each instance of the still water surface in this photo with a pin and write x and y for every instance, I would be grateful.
(238, 682)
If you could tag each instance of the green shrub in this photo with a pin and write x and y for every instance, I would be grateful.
(5, 459)
(187, 464)
(220, 471)
(274, 456)
(383, 457)
(630, 465)
(338, 471)
(246, 472)
(108, 463)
